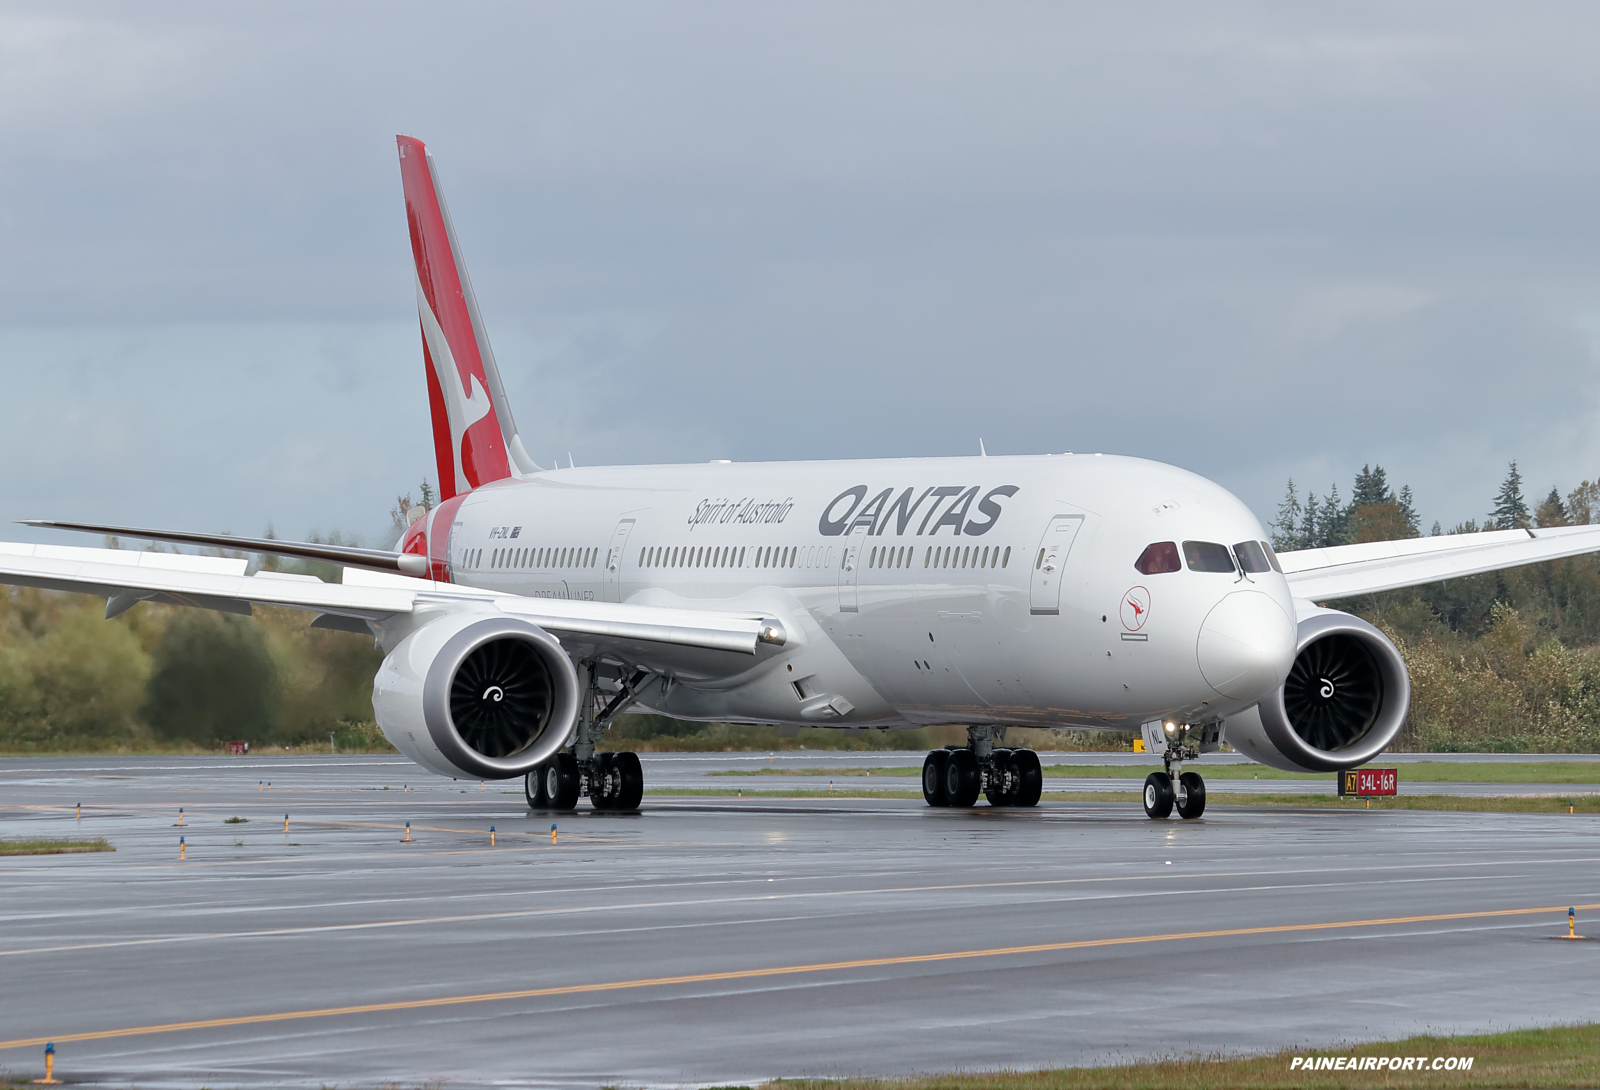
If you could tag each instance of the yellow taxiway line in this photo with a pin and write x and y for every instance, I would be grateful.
(779, 970)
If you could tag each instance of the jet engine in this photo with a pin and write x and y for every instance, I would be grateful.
(477, 696)
(1344, 699)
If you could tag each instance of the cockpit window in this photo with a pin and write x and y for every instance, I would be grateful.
(1272, 558)
(1158, 558)
(1251, 557)
(1207, 556)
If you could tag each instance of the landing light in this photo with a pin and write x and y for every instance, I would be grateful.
(1171, 727)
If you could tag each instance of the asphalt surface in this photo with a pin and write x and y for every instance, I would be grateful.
(715, 941)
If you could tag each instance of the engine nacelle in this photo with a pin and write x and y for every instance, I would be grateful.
(479, 696)
(1343, 702)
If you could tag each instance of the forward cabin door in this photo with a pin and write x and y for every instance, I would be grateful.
(1050, 562)
(614, 555)
(850, 568)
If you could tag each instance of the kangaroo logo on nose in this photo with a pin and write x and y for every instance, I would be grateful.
(1135, 608)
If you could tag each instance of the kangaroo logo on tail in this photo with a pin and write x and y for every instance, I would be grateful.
(475, 440)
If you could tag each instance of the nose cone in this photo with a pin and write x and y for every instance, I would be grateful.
(1246, 645)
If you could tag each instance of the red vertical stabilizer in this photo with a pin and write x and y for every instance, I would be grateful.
(475, 440)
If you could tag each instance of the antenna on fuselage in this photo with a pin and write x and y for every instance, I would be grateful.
(981, 452)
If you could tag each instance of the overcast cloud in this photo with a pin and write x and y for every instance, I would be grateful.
(1258, 241)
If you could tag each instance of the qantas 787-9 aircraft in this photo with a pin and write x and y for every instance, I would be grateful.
(532, 606)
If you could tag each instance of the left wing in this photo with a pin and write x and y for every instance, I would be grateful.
(1320, 575)
(668, 639)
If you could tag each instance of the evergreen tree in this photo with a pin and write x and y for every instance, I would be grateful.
(1311, 522)
(1552, 512)
(1372, 488)
(1408, 511)
(1510, 509)
(1286, 529)
(1334, 525)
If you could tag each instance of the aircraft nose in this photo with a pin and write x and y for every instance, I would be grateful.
(1246, 645)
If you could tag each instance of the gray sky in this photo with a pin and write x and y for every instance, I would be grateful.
(1258, 241)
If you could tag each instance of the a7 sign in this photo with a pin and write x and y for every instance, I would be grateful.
(1365, 782)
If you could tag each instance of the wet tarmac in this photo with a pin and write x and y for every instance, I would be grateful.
(715, 941)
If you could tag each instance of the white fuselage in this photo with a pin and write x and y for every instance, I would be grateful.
(916, 591)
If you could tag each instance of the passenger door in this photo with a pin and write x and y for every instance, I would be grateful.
(1049, 564)
(614, 556)
(850, 569)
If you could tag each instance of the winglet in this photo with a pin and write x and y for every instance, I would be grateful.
(474, 436)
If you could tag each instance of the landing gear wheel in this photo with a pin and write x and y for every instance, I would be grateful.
(603, 791)
(1029, 777)
(933, 778)
(961, 779)
(561, 782)
(630, 781)
(1158, 795)
(1004, 792)
(1195, 789)
(533, 788)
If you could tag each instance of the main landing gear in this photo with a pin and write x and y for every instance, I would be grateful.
(957, 775)
(611, 781)
(1175, 787)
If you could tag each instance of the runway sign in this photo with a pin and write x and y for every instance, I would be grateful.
(1367, 782)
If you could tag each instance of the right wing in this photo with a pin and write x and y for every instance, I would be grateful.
(1343, 571)
(665, 639)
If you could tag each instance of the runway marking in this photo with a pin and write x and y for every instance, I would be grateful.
(780, 970)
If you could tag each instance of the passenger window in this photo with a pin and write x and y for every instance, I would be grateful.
(1251, 558)
(1208, 556)
(1006, 560)
(1158, 558)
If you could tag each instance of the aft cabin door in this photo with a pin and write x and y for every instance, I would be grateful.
(1050, 562)
(614, 557)
(850, 568)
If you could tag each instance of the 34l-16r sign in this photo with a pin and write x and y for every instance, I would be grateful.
(1365, 782)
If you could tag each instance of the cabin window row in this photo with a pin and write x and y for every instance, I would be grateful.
(539, 557)
(934, 556)
(733, 556)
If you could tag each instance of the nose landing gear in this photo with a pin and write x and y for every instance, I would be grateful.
(957, 775)
(1186, 790)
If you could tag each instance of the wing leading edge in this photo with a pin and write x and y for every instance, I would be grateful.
(127, 577)
(1343, 571)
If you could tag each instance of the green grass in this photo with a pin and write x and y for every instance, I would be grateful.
(1419, 772)
(1538, 1058)
(240, 821)
(54, 847)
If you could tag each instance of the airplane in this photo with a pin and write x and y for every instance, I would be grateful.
(528, 609)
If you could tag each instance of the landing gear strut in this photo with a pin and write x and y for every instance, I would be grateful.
(1186, 790)
(611, 781)
(957, 775)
